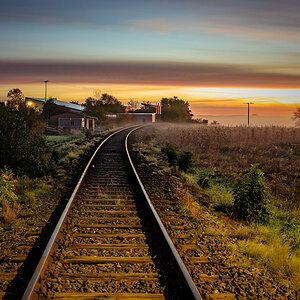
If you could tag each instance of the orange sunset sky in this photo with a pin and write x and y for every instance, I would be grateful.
(215, 56)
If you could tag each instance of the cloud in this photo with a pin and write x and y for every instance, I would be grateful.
(216, 26)
(283, 34)
(160, 26)
(150, 73)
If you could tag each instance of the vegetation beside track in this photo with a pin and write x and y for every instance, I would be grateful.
(262, 260)
(36, 199)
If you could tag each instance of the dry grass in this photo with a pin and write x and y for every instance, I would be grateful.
(231, 149)
(11, 211)
(277, 257)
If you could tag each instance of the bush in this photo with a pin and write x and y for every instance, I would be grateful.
(8, 198)
(250, 195)
(23, 146)
(172, 153)
(176, 158)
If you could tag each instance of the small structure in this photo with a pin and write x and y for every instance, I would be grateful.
(72, 120)
(138, 117)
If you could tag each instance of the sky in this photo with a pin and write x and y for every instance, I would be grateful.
(216, 54)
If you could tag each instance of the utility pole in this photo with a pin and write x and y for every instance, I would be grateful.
(249, 111)
(46, 81)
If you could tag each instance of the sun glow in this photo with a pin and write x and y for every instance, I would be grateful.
(263, 96)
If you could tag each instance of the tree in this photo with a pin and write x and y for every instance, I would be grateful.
(175, 110)
(95, 108)
(111, 104)
(15, 96)
(23, 146)
(99, 107)
(296, 116)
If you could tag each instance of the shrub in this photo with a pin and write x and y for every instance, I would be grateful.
(250, 195)
(8, 198)
(183, 160)
(172, 153)
(88, 134)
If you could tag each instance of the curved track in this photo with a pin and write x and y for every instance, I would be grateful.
(109, 242)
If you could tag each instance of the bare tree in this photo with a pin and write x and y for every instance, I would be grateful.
(133, 105)
(296, 116)
(97, 95)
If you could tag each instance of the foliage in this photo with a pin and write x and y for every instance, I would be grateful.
(7, 186)
(99, 107)
(250, 195)
(23, 147)
(15, 96)
(175, 110)
(8, 197)
(183, 160)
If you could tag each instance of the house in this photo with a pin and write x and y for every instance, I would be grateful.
(72, 120)
(62, 114)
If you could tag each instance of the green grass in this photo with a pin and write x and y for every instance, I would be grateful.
(61, 139)
(221, 198)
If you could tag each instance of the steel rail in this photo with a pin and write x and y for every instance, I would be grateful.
(181, 266)
(42, 263)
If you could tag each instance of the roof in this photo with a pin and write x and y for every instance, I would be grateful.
(59, 103)
(68, 104)
(37, 99)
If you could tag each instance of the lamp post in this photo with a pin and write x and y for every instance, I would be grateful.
(46, 81)
(249, 111)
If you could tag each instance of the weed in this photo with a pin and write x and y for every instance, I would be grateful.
(8, 196)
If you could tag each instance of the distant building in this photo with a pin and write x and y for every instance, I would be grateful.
(138, 117)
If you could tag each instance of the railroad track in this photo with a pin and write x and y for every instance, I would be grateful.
(109, 242)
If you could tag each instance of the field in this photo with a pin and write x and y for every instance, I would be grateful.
(232, 149)
(220, 152)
